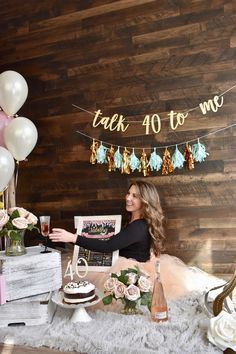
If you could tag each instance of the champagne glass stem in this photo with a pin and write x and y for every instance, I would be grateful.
(46, 244)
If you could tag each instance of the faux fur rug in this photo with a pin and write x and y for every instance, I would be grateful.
(111, 333)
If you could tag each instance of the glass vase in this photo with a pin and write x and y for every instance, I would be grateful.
(15, 244)
(131, 308)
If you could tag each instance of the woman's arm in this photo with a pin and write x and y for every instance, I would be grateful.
(134, 232)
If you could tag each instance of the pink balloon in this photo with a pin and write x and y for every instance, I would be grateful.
(4, 121)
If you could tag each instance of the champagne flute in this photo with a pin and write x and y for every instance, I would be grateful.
(45, 227)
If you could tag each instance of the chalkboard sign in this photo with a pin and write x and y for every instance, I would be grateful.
(99, 227)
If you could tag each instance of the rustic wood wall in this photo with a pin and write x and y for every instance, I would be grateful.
(131, 57)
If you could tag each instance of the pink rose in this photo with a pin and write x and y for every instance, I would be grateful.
(3, 218)
(32, 219)
(144, 284)
(132, 278)
(119, 290)
(109, 284)
(132, 293)
(20, 223)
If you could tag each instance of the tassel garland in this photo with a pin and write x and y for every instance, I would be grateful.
(128, 162)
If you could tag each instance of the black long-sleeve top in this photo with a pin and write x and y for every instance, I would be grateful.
(132, 242)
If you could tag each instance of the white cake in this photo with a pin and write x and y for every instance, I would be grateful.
(79, 292)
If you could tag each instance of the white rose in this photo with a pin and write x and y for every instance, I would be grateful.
(4, 217)
(22, 212)
(145, 274)
(119, 290)
(32, 219)
(132, 278)
(20, 223)
(222, 330)
(144, 284)
(132, 293)
(109, 284)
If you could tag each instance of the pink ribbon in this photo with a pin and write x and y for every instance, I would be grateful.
(2, 289)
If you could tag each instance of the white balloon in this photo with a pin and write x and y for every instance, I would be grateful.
(20, 137)
(7, 167)
(13, 91)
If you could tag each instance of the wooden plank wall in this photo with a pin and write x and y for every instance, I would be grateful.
(131, 57)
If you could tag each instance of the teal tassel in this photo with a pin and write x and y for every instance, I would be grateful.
(199, 152)
(155, 161)
(101, 154)
(134, 162)
(118, 158)
(177, 159)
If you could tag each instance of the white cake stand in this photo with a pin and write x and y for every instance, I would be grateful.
(80, 314)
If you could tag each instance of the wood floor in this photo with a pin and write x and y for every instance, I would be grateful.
(12, 349)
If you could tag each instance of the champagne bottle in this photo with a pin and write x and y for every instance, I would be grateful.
(159, 310)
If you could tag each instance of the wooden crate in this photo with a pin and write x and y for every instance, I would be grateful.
(31, 274)
(29, 311)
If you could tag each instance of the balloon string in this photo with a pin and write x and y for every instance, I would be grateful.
(3, 200)
(16, 173)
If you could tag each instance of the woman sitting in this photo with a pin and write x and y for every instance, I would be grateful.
(140, 243)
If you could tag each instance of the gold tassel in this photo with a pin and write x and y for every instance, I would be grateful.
(125, 167)
(144, 167)
(167, 166)
(93, 148)
(110, 159)
(189, 156)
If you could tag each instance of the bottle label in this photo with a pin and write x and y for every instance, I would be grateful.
(161, 315)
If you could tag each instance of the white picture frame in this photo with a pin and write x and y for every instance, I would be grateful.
(102, 227)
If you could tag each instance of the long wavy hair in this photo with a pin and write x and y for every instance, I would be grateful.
(152, 213)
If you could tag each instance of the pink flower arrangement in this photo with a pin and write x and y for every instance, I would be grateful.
(131, 286)
(15, 219)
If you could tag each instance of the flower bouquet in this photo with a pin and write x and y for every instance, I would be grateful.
(132, 286)
(13, 223)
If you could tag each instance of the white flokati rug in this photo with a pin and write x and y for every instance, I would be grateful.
(111, 333)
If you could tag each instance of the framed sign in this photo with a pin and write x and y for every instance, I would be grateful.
(99, 227)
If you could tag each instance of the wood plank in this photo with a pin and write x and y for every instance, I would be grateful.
(7, 348)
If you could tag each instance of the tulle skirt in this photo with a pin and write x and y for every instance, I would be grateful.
(177, 278)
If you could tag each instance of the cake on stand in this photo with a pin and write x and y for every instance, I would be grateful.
(80, 314)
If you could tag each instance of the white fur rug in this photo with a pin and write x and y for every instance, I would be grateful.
(111, 333)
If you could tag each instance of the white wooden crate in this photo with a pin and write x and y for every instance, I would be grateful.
(29, 311)
(31, 274)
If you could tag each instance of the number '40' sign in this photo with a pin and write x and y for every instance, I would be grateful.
(71, 269)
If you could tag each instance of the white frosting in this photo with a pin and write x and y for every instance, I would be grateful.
(81, 287)
(77, 301)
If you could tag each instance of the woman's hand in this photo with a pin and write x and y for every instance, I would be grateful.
(61, 235)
